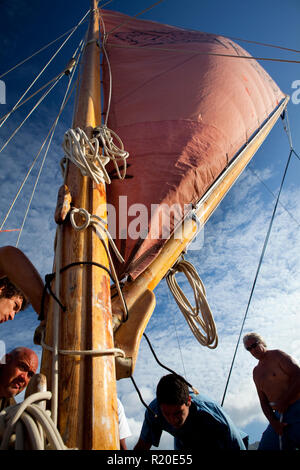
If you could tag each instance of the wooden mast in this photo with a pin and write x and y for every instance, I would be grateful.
(87, 399)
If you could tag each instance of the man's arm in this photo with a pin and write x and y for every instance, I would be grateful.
(142, 445)
(21, 272)
(292, 369)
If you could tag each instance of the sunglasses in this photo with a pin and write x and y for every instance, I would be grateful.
(252, 346)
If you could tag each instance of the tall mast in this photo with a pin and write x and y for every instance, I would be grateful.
(87, 400)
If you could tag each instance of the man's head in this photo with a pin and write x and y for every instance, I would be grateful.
(12, 300)
(255, 344)
(20, 365)
(173, 397)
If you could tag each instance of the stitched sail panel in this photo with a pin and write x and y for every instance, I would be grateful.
(183, 111)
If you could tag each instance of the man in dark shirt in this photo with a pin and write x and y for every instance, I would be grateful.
(196, 422)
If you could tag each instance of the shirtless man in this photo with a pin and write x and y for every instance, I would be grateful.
(277, 380)
(19, 281)
(20, 365)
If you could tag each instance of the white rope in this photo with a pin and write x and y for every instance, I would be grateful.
(30, 112)
(85, 352)
(191, 314)
(40, 429)
(84, 152)
(115, 153)
(97, 223)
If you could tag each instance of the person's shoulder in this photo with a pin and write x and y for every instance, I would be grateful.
(202, 401)
(279, 354)
(153, 405)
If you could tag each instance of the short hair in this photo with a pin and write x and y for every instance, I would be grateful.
(254, 336)
(9, 290)
(172, 390)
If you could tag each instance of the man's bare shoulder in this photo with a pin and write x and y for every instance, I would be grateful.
(283, 356)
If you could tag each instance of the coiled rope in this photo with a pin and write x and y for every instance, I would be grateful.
(39, 427)
(84, 152)
(191, 314)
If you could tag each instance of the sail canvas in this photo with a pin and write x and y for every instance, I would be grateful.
(184, 103)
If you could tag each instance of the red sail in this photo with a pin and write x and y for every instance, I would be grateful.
(183, 109)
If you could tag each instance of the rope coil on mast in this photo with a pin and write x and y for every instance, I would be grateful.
(37, 422)
(191, 314)
(84, 152)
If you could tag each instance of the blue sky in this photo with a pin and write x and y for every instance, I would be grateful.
(232, 239)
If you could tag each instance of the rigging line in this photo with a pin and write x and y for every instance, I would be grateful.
(141, 398)
(177, 337)
(296, 154)
(48, 63)
(30, 169)
(167, 368)
(31, 96)
(274, 196)
(258, 43)
(57, 79)
(135, 16)
(45, 140)
(179, 347)
(79, 48)
(40, 50)
(225, 36)
(105, 4)
(158, 361)
(288, 132)
(192, 51)
(63, 104)
(257, 272)
(109, 70)
(286, 127)
(30, 112)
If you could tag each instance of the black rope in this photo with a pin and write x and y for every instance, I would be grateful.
(165, 367)
(141, 398)
(50, 277)
(257, 272)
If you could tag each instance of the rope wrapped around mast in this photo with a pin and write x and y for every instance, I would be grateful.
(191, 314)
(85, 153)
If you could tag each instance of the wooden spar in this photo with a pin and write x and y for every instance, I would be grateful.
(140, 292)
(87, 399)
